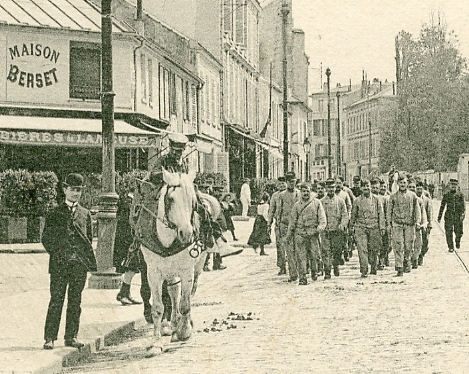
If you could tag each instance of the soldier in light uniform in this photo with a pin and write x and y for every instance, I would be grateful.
(273, 214)
(333, 237)
(286, 200)
(383, 251)
(403, 217)
(418, 231)
(342, 192)
(429, 211)
(368, 223)
(307, 221)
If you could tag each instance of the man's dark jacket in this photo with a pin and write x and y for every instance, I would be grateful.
(63, 247)
(455, 206)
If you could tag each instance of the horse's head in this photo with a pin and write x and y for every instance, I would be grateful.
(178, 202)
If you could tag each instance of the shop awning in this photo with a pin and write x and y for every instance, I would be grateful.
(70, 132)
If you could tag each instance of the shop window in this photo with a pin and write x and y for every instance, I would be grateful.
(85, 71)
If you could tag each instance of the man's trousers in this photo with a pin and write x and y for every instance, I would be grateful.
(280, 250)
(369, 245)
(453, 226)
(402, 241)
(332, 244)
(289, 251)
(307, 248)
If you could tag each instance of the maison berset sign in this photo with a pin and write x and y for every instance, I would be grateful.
(45, 71)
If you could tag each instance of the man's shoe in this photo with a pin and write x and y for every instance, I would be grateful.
(400, 273)
(458, 246)
(336, 271)
(407, 269)
(327, 276)
(220, 267)
(74, 343)
(373, 272)
(451, 250)
(341, 261)
(125, 300)
(415, 264)
(263, 254)
(294, 279)
(148, 317)
(206, 268)
(282, 272)
(364, 275)
(314, 277)
(49, 344)
(420, 261)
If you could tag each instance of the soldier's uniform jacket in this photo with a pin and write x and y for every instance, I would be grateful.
(423, 212)
(286, 200)
(455, 206)
(403, 209)
(67, 236)
(384, 202)
(427, 203)
(368, 213)
(274, 207)
(336, 212)
(348, 202)
(307, 217)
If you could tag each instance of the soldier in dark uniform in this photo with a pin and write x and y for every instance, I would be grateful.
(455, 206)
(67, 237)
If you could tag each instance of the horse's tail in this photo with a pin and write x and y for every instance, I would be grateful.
(211, 204)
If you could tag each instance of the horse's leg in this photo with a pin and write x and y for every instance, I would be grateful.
(184, 326)
(166, 329)
(155, 280)
(174, 291)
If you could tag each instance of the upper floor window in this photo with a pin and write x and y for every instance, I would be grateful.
(85, 70)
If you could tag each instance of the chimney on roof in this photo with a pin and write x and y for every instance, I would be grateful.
(139, 18)
(393, 88)
(350, 85)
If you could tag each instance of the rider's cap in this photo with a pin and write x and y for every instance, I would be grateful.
(178, 140)
(290, 176)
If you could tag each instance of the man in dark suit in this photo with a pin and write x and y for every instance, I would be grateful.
(67, 238)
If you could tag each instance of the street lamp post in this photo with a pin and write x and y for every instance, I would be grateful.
(307, 149)
(339, 156)
(106, 277)
(285, 11)
(329, 135)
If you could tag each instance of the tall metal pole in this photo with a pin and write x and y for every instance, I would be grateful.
(339, 158)
(106, 277)
(370, 145)
(329, 135)
(285, 12)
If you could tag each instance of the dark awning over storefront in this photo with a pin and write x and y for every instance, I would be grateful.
(70, 132)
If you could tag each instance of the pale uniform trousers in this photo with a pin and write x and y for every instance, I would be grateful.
(286, 201)
(307, 218)
(429, 211)
(402, 215)
(273, 214)
(418, 241)
(332, 239)
(348, 203)
(385, 245)
(368, 219)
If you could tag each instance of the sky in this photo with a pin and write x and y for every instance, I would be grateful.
(349, 36)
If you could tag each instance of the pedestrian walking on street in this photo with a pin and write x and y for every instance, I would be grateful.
(417, 248)
(383, 254)
(273, 215)
(67, 238)
(260, 235)
(429, 211)
(245, 197)
(307, 221)
(286, 200)
(454, 207)
(333, 237)
(369, 224)
(403, 217)
(228, 211)
(348, 198)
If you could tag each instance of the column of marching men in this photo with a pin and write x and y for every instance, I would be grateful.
(318, 227)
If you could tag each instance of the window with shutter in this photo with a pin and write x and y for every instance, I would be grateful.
(188, 102)
(202, 97)
(143, 77)
(166, 94)
(213, 103)
(208, 90)
(150, 82)
(194, 104)
(172, 94)
(85, 71)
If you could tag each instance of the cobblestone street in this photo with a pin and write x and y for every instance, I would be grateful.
(382, 324)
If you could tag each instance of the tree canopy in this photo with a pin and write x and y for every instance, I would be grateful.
(429, 130)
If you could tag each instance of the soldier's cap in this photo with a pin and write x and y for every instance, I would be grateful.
(290, 176)
(356, 178)
(281, 179)
(375, 181)
(178, 141)
(246, 180)
(419, 184)
(455, 181)
(321, 183)
(330, 182)
(382, 181)
(74, 180)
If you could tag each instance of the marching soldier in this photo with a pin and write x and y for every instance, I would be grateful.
(273, 214)
(67, 238)
(427, 203)
(453, 202)
(307, 221)
(368, 223)
(333, 237)
(383, 252)
(286, 200)
(356, 188)
(402, 217)
(418, 231)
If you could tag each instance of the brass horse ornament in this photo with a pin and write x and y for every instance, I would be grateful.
(168, 228)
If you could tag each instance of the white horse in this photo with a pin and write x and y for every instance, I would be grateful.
(168, 227)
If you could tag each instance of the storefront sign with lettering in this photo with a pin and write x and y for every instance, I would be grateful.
(71, 139)
(44, 75)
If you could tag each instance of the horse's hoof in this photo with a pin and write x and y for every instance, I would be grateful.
(153, 351)
(174, 338)
(166, 329)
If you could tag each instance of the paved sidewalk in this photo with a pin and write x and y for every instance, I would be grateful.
(24, 295)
